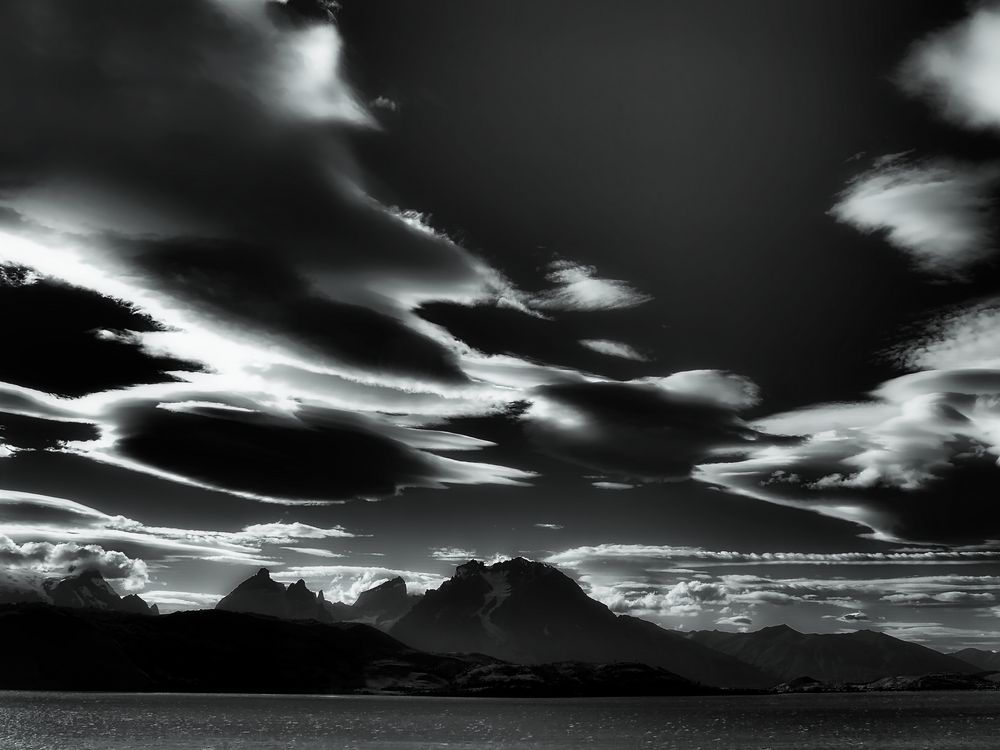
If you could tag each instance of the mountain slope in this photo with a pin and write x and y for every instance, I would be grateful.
(860, 656)
(980, 658)
(219, 651)
(261, 595)
(382, 605)
(89, 590)
(529, 613)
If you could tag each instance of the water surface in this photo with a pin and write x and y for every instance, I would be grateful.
(887, 721)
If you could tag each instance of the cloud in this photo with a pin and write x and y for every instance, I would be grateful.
(698, 557)
(579, 288)
(67, 558)
(31, 516)
(453, 554)
(917, 463)
(58, 323)
(172, 601)
(204, 236)
(613, 349)
(612, 485)
(646, 429)
(958, 69)
(737, 621)
(314, 552)
(810, 590)
(939, 212)
(851, 617)
(966, 338)
(944, 598)
(550, 526)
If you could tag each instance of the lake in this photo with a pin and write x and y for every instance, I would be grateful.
(82, 721)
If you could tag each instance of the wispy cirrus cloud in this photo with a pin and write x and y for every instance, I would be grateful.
(614, 349)
(579, 288)
(31, 517)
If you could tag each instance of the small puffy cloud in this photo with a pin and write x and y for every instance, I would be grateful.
(941, 213)
(958, 69)
(579, 288)
(613, 349)
(850, 617)
(736, 621)
(602, 485)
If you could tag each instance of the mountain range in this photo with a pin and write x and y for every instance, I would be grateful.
(516, 627)
(61, 648)
(529, 613)
(87, 589)
(861, 656)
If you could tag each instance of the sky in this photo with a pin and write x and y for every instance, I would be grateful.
(696, 301)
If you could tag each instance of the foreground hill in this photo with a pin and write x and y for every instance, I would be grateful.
(861, 656)
(530, 613)
(219, 651)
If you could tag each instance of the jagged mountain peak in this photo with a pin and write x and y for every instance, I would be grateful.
(88, 589)
(529, 612)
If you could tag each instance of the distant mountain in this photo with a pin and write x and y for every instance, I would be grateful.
(219, 651)
(860, 656)
(89, 590)
(383, 605)
(530, 613)
(987, 661)
(262, 595)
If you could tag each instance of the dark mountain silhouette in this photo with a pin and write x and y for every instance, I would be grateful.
(262, 595)
(529, 613)
(383, 605)
(987, 661)
(861, 656)
(89, 590)
(220, 651)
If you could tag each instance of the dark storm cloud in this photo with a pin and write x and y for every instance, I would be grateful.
(31, 433)
(317, 454)
(652, 428)
(206, 182)
(253, 289)
(53, 328)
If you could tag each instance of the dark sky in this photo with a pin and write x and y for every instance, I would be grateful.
(694, 300)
